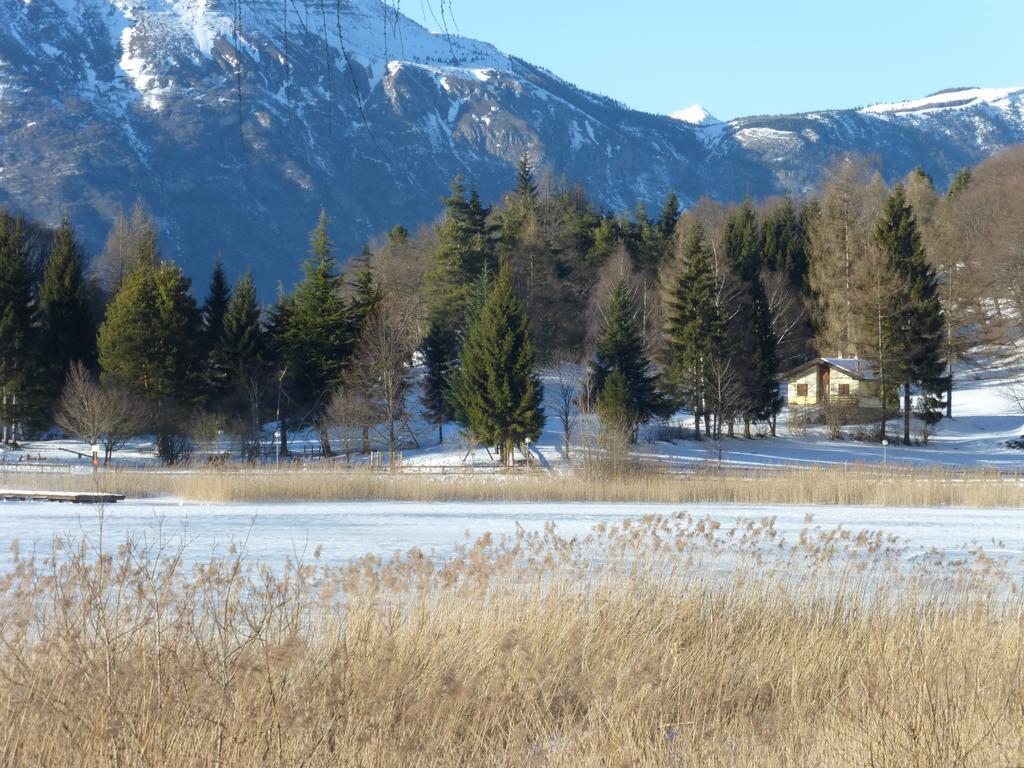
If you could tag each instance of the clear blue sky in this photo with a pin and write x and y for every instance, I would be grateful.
(753, 57)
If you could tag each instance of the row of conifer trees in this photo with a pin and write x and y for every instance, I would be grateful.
(492, 284)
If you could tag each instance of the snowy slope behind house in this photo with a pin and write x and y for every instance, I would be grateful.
(235, 122)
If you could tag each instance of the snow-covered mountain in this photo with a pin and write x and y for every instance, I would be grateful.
(694, 114)
(236, 120)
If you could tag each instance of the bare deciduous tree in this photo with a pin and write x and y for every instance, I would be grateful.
(377, 383)
(564, 399)
(99, 414)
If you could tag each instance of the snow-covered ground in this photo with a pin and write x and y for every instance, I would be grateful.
(269, 533)
(985, 418)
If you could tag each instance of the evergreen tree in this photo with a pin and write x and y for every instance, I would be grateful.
(742, 242)
(147, 342)
(785, 243)
(366, 293)
(215, 307)
(605, 239)
(498, 389)
(959, 185)
(314, 332)
(70, 332)
(670, 213)
(526, 185)
(440, 349)
(915, 324)
(752, 340)
(618, 418)
(23, 401)
(621, 347)
(765, 402)
(240, 363)
(241, 347)
(461, 250)
(694, 326)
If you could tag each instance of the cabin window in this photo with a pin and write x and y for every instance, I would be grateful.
(844, 390)
(801, 390)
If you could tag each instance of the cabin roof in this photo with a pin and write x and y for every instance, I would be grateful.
(862, 370)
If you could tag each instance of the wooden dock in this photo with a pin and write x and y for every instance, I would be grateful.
(73, 497)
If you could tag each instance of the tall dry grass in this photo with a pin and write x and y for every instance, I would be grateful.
(666, 641)
(853, 485)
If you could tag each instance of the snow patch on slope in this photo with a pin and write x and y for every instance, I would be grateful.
(957, 99)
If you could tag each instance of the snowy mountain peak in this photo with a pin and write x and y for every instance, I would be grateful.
(955, 98)
(694, 115)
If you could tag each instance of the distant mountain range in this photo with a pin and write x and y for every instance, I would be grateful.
(236, 121)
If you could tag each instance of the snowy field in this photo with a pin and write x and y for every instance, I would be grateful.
(269, 533)
(985, 418)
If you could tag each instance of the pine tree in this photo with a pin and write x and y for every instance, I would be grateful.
(742, 242)
(366, 293)
(694, 325)
(241, 347)
(459, 255)
(479, 292)
(959, 185)
(148, 339)
(620, 346)
(670, 213)
(526, 185)
(215, 307)
(69, 328)
(765, 400)
(23, 401)
(784, 243)
(499, 389)
(314, 331)
(915, 325)
(440, 349)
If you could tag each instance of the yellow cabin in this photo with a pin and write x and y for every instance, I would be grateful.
(833, 380)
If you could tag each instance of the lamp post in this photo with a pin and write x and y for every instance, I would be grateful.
(277, 447)
(885, 458)
(95, 456)
(528, 441)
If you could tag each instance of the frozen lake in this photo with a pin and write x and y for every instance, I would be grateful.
(271, 532)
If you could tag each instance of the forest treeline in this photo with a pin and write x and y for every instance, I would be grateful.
(698, 310)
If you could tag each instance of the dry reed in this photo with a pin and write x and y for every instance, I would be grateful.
(846, 485)
(664, 641)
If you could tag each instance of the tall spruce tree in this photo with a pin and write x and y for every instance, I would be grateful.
(241, 364)
(694, 325)
(915, 325)
(785, 243)
(498, 389)
(314, 332)
(670, 213)
(241, 347)
(526, 185)
(752, 341)
(440, 349)
(212, 329)
(742, 241)
(69, 328)
(215, 307)
(148, 342)
(621, 347)
(460, 252)
(23, 399)
(366, 293)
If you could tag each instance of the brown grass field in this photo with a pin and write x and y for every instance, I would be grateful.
(668, 641)
(853, 485)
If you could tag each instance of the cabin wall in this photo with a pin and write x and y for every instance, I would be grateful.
(863, 394)
(810, 378)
